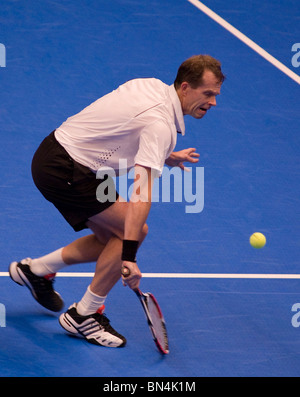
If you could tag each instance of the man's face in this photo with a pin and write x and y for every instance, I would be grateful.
(196, 101)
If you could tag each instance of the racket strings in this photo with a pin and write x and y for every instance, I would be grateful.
(157, 322)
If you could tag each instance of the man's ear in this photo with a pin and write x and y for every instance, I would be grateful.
(184, 87)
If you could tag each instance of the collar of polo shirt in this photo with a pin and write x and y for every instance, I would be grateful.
(179, 121)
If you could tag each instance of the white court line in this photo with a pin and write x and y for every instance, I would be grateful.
(245, 40)
(187, 275)
(220, 275)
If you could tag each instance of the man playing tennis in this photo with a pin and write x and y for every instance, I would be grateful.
(138, 122)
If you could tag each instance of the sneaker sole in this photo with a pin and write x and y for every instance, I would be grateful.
(20, 278)
(14, 274)
(67, 325)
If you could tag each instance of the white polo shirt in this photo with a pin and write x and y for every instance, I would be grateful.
(138, 122)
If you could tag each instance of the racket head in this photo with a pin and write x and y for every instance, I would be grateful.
(156, 322)
(154, 316)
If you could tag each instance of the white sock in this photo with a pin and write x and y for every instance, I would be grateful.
(48, 264)
(89, 303)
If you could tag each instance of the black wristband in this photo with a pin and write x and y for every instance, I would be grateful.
(129, 250)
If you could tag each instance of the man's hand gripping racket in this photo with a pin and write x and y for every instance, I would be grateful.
(154, 316)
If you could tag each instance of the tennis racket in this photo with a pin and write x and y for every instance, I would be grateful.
(154, 317)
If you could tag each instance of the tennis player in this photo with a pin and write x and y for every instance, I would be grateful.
(138, 122)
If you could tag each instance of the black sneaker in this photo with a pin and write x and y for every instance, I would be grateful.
(95, 328)
(40, 287)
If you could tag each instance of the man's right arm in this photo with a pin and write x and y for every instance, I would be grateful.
(136, 216)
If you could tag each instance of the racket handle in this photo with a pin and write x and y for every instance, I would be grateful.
(125, 271)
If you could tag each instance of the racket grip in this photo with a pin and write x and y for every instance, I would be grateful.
(125, 271)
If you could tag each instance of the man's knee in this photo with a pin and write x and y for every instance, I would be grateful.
(104, 233)
(101, 234)
(144, 232)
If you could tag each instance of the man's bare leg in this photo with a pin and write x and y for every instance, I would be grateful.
(108, 267)
(108, 225)
(83, 250)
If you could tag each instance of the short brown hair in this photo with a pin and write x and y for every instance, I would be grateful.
(192, 69)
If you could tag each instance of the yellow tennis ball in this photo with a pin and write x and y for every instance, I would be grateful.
(258, 240)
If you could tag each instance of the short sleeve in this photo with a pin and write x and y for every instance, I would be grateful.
(155, 146)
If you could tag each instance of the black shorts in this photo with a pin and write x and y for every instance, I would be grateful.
(70, 186)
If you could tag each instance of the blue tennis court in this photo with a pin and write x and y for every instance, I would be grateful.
(231, 310)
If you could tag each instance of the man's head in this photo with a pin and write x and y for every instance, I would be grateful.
(197, 83)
